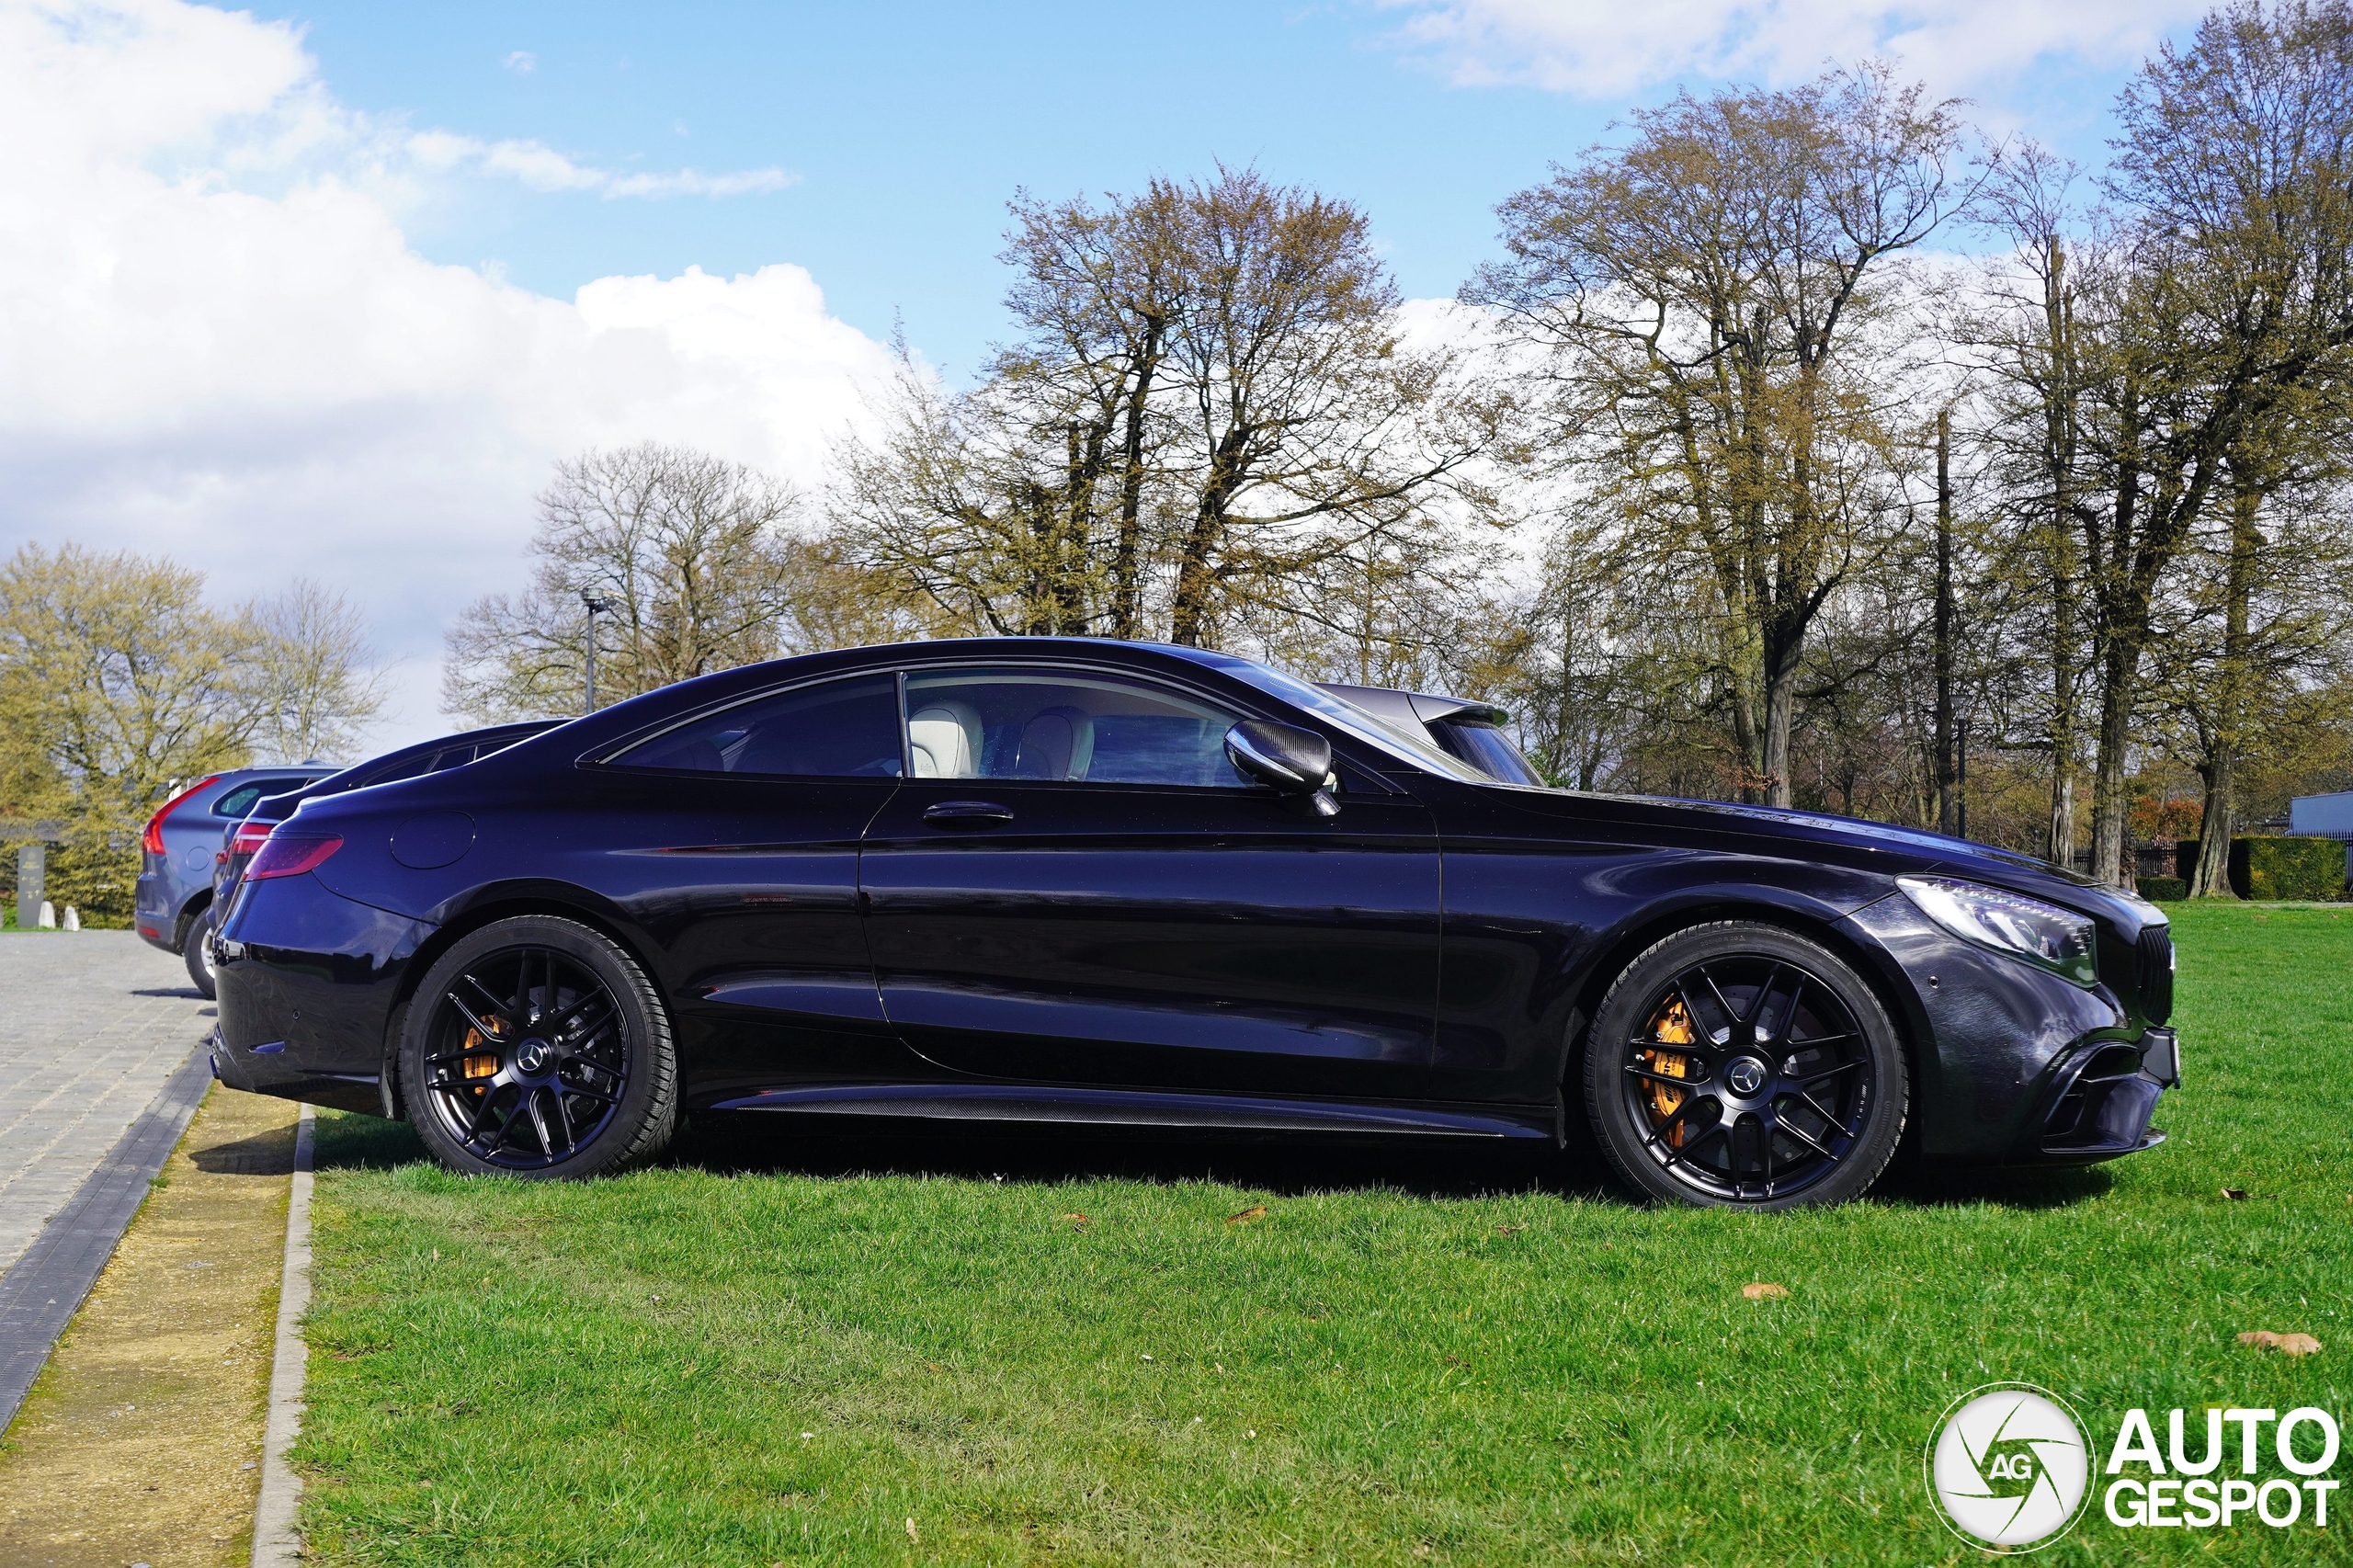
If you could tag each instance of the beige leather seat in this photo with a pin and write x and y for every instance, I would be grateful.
(1058, 743)
(944, 738)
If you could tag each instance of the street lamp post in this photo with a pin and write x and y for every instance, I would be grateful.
(594, 603)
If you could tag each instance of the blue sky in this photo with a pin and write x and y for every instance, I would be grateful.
(325, 292)
(906, 128)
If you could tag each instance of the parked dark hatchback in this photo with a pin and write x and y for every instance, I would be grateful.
(1069, 880)
(172, 901)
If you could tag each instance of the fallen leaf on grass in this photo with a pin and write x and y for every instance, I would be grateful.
(1764, 1290)
(2286, 1344)
(1076, 1219)
(912, 1534)
(2236, 1194)
(1509, 1230)
(1256, 1211)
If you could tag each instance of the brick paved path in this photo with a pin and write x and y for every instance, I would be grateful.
(91, 1025)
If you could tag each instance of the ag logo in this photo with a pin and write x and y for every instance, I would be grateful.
(2009, 1467)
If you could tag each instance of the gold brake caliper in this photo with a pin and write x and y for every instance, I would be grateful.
(1672, 1026)
(485, 1064)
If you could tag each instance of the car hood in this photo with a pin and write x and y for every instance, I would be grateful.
(1961, 858)
(1892, 850)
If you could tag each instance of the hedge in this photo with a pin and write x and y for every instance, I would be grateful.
(2163, 890)
(2296, 868)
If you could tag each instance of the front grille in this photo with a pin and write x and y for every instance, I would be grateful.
(2155, 977)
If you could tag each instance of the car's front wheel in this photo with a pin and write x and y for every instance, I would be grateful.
(537, 1046)
(1742, 1065)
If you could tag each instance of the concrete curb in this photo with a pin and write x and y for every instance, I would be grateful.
(277, 1542)
(44, 1288)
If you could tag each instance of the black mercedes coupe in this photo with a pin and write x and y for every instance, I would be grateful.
(1056, 880)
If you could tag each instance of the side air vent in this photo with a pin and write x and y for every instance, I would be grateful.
(2155, 976)
(2103, 1105)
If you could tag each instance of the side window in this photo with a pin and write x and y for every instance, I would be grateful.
(448, 757)
(1040, 724)
(842, 729)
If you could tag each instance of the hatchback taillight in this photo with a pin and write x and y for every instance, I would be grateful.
(290, 857)
(152, 840)
(249, 837)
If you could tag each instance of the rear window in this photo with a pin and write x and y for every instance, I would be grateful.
(841, 729)
(240, 800)
(1486, 748)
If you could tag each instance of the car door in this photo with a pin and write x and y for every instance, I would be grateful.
(743, 864)
(1074, 886)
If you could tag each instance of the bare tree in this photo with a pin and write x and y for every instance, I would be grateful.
(315, 682)
(1306, 426)
(1210, 422)
(696, 552)
(2234, 316)
(1704, 300)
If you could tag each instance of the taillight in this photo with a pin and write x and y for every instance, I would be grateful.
(290, 857)
(152, 840)
(249, 837)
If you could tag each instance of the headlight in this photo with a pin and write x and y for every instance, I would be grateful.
(2042, 934)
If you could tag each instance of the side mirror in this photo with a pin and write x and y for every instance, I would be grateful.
(1285, 758)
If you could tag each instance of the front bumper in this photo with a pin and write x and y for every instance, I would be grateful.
(2103, 1094)
(2013, 1066)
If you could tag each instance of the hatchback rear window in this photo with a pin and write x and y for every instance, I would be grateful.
(240, 800)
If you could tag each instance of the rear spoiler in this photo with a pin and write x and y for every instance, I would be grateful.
(1416, 707)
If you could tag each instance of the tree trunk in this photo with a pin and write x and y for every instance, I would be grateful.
(1127, 551)
(1947, 799)
(2111, 840)
(2211, 878)
(2060, 456)
(1781, 654)
(1188, 613)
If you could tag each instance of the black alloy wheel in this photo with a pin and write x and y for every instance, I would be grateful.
(1742, 1065)
(537, 1047)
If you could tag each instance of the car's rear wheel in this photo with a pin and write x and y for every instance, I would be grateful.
(537, 1047)
(197, 952)
(1742, 1065)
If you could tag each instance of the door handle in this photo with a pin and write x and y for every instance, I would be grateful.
(967, 813)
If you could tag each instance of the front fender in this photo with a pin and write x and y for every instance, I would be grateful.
(1989, 1032)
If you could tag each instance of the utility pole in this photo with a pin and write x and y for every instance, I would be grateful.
(595, 604)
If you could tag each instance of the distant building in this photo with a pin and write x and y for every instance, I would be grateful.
(2325, 816)
(2322, 816)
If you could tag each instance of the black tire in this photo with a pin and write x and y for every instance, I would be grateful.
(196, 952)
(1742, 1065)
(537, 1047)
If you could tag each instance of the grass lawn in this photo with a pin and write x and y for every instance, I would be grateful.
(909, 1348)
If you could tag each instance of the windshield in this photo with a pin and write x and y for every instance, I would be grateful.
(1347, 716)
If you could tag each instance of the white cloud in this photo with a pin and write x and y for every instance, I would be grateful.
(219, 347)
(522, 62)
(541, 167)
(1607, 49)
